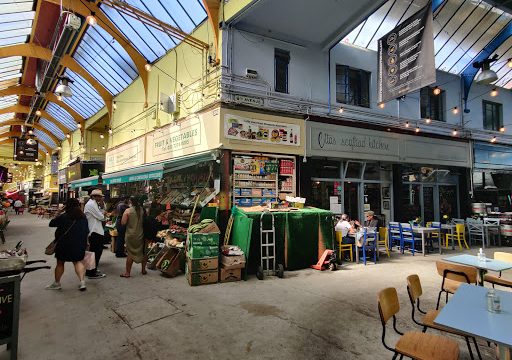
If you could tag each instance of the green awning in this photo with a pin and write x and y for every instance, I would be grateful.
(190, 160)
(80, 183)
(142, 173)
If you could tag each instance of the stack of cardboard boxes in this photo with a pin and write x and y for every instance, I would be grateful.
(202, 265)
(231, 265)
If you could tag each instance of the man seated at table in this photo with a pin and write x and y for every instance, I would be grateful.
(346, 228)
(371, 220)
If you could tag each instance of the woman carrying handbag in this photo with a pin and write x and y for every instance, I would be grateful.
(70, 242)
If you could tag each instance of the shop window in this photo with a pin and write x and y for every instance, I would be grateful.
(432, 105)
(353, 169)
(493, 115)
(326, 169)
(281, 62)
(372, 171)
(352, 86)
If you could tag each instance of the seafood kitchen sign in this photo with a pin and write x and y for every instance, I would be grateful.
(261, 131)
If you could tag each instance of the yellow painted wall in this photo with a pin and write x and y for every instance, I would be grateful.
(95, 146)
(70, 149)
(233, 7)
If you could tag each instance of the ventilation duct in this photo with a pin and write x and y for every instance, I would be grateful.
(64, 36)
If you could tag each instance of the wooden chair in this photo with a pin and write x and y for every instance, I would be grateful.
(383, 240)
(343, 247)
(454, 275)
(414, 344)
(498, 280)
(460, 234)
(415, 291)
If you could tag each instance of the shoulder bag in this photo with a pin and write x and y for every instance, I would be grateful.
(50, 249)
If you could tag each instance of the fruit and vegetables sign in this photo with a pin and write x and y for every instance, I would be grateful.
(260, 131)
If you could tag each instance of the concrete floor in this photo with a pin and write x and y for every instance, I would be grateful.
(307, 315)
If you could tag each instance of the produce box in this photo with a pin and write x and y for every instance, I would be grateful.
(154, 259)
(205, 264)
(268, 192)
(201, 278)
(232, 262)
(228, 275)
(209, 229)
(201, 252)
(197, 239)
(169, 264)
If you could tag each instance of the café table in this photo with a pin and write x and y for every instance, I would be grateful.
(482, 266)
(466, 312)
(423, 231)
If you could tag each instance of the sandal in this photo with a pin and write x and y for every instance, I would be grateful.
(124, 276)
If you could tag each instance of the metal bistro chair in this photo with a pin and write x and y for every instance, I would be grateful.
(495, 231)
(394, 236)
(460, 234)
(407, 237)
(413, 344)
(498, 280)
(415, 291)
(457, 221)
(454, 275)
(476, 231)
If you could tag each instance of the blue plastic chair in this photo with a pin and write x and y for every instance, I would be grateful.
(372, 246)
(407, 237)
(394, 237)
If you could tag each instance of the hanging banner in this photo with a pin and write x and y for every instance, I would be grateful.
(25, 150)
(260, 131)
(406, 57)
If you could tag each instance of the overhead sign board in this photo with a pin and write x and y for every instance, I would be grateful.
(125, 156)
(24, 151)
(406, 57)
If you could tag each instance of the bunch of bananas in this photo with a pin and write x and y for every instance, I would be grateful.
(197, 227)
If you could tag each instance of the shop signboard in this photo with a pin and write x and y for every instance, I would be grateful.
(74, 172)
(25, 151)
(62, 177)
(9, 312)
(406, 59)
(92, 169)
(152, 175)
(173, 141)
(261, 131)
(125, 156)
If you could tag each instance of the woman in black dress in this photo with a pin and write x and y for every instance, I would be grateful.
(71, 236)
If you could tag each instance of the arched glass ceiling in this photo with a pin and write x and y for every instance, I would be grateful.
(45, 138)
(151, 43)
(47, 124)
(106, 60)
(7, 101)
(461, 30)
(8, 116)
(62, 115)
(85, 100)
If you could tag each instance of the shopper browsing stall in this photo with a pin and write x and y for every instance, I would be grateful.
(95, 212)
(133, 219)
(121, 229)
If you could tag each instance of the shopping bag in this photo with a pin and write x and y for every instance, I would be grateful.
(89, 260)
(50, 248)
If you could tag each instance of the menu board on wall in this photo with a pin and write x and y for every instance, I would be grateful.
(406, 56)
(261, 131)
(24, 151)
(125, 156)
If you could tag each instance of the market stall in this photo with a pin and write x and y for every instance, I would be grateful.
(301, 235)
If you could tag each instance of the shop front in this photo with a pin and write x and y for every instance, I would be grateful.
(397, 176)
(492, 176)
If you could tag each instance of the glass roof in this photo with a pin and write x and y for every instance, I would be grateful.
(152, 43)
(54, 129)
(8, 116)
(461, 30)
(7, 101)
(61, 115)
(45, 138)
(85, 100)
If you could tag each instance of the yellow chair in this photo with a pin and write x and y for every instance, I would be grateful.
(498, 280)
(383, 239)
(343, 247)
(460, 234)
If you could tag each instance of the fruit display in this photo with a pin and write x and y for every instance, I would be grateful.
(198, 227)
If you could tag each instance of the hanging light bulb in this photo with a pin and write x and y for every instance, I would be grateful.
(38, 112)
(103, 147)
(79, 125)
(509, 63)
(147, 67)
(382, 105)
(31, 132)
(47, 153)
(114, 105)
(494, 92)
(455, 110)
(437, 90)
(68, 136)
(340, 110)
(417, 130)
(21, 151)
(407, 124)
(428, 120)
(502, 129)
(454, 132)
(102, 136)
(95, 149)
(91, 19)
(58, 148)
(493, 140)
(110, 130)
(59, 97)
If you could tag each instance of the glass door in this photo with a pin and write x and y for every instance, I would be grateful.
(351, 203)
(448, 201)
(429, 213)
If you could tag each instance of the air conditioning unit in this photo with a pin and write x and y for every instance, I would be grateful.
(169, 103)
(251, 74)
